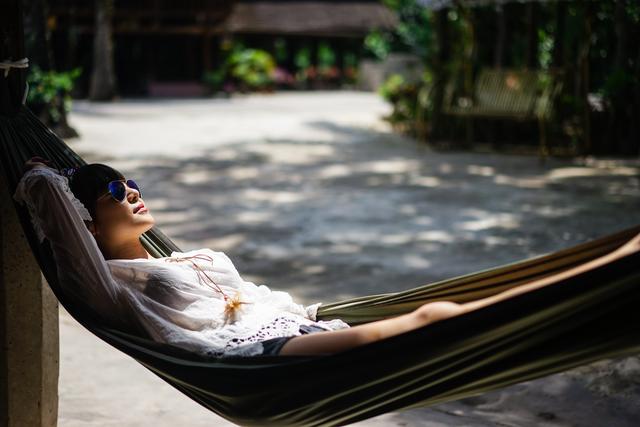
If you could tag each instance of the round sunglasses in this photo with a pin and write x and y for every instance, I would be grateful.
(118, 191)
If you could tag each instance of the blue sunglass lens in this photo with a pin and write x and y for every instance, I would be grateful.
(119, 191)
(132, 184)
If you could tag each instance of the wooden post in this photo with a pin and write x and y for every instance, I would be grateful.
(29, 363)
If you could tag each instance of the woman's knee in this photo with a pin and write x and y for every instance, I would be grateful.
(437, 310)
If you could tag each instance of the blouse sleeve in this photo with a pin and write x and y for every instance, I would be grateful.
(58, 216)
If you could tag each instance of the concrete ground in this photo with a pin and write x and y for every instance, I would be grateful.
(312, 194)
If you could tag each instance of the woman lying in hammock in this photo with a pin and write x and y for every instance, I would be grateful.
(195, 300)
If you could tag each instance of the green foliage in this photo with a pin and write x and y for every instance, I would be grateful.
(411, 101)
(326, 55)
(545, 48)
(413, 34)
(392, 87)
(245, 69)
(280, 49)
(253, 67)
(303, 58)
(51, 91)
(215, 79)
(378, 43)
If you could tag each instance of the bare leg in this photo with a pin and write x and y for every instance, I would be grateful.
(343, 339)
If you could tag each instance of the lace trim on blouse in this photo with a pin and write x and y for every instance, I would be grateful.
(281, 326)
(21, 196)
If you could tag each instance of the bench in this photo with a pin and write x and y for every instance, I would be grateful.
(520, 95)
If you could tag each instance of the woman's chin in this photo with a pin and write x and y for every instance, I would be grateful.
(145, 222)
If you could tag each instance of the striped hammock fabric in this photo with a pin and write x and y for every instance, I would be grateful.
(578, 320)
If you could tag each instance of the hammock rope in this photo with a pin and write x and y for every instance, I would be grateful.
(578, 320)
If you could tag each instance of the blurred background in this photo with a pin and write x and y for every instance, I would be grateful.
(563, 73)
(342, 148)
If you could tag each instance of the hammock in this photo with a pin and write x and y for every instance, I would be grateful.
(578, 320)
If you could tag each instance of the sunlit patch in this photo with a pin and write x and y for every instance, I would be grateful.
(241, 173)
(425, 181)
(345, 248)
(445, 168)
(553, 211)
(194, 177)
(295, 154)
(576, 172)
(496, 240)
(435, 236)
(422, 220)
(271, 196)
(225, 243)
(396, 239)
(157, 204)
(480, 170)
(275, 251)
(415, 261)
(520, 182)
(407, 209)
(252, 217)
(314, 269)
(388, 166)
(167, 217)
(225, 154)
(334, 171)
(485, 220)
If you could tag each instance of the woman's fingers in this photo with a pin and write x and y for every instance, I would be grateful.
(34, 161)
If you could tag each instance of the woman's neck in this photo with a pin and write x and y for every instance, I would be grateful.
(128, 250)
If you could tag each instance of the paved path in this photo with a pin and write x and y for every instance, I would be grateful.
(311, 193)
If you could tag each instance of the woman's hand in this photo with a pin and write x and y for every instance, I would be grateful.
(35, 161)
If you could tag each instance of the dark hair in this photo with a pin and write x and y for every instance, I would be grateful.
(91, 181)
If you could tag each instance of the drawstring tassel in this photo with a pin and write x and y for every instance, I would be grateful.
(232, 304)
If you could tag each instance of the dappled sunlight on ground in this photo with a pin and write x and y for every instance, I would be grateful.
(387, 213)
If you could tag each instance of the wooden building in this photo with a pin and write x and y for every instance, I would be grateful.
(165, 43)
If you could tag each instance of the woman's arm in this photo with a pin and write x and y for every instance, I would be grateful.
(59, 217)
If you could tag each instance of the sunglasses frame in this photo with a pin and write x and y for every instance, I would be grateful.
(118, 186)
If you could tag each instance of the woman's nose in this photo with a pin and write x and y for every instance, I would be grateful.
(133, 196)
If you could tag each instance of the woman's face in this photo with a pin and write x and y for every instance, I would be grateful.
(119, 221)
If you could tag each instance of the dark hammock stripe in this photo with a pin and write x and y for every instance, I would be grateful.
(578, 320)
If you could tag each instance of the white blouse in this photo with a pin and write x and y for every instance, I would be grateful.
(164, 297)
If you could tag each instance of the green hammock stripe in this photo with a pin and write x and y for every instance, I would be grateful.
(575, 321)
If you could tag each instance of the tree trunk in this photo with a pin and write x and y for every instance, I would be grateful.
(532, 37)
(558, 45)
(37, 34)
(103, 79)
(440, 71)
(584, 72)
(500, 38)
(624, 102)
